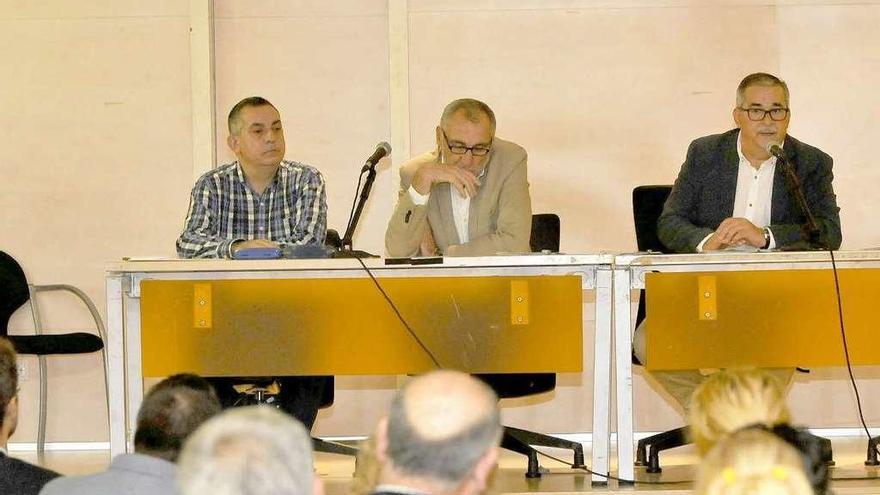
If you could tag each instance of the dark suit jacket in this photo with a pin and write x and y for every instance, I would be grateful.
(703, 194)
(20, 478)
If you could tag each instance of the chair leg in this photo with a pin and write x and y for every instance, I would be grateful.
(41, 428)
(873, 447)
(319, 445)
(648, 452)
(534, 438)
(514, 444)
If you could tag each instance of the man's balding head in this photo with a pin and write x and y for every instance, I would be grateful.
(440, 426)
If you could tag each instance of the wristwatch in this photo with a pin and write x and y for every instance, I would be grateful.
(766, 237)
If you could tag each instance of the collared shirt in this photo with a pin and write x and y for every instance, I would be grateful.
(461, 207)
(224, 209)
(754, 193)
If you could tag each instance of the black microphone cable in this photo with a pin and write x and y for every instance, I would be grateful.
(400, 316)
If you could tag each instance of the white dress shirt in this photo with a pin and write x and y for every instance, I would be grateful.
(754, 193)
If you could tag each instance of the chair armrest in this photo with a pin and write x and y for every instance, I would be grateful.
(93, 310)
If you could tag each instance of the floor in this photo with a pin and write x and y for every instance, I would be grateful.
(850, 475)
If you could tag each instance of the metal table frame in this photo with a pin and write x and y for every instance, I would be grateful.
(123, 279)
(629, 274)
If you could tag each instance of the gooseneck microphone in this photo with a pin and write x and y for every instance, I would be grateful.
(812, 234)
(383, 149)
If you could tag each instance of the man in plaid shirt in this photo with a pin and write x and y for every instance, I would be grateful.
(259, 200)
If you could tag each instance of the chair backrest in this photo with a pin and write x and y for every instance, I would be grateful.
(648, 204)
(545, 233)
(13, 289)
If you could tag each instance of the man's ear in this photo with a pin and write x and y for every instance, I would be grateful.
(381, 436)
(232, 142)
(317, 485)
(484, 468)
(736, 117)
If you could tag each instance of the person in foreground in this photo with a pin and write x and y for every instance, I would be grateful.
(259, 200)
(249, 450)
(440, 437)
(170, 412)
(16, 476)
(752, 462)
(732, 193)
(467, 197)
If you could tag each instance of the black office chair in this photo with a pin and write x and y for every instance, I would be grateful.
(648, 204)
(15, 291)
(544, 237)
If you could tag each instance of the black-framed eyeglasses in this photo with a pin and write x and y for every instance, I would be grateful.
(457, 149)
(758, 114)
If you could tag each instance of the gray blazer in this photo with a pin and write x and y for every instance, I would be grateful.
(128, 474)
(703, 194)
(21, 478)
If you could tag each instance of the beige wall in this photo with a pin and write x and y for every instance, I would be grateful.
(97, 145)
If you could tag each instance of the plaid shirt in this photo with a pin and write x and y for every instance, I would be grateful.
(224, 209)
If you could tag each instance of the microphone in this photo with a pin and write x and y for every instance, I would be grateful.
(383, 149)
(775, 150)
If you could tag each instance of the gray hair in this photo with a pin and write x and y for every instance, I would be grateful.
(472, 110)
(248, 451)
(446, 460)
(759, 79)
(233, 122)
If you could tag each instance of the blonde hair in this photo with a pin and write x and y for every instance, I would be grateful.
(752, 462)
(732, 399)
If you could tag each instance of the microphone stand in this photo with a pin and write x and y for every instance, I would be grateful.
(811, 230)
(347, 251)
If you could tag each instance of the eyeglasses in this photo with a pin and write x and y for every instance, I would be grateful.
(456, 149)
(758, 114)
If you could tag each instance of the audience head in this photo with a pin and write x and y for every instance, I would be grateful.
(8, 391)
(733, 399)
(170, 412)
(249, 450)
(441, 434)
(752, 462)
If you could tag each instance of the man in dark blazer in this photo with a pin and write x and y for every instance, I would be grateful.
(16, 476)
(440, 437)
(732, 192)
(705, 212)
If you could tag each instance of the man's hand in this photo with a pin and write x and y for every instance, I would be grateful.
(428, 247)
(253, 243)
(735, 232)
(435, 172)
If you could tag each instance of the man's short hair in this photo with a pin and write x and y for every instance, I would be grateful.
(759, 79)
(447, 460)
(248, 450)
(472, 110)
(168, 415)
(234, 121)
(8, 375)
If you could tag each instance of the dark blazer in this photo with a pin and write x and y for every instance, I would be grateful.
(703, 194)
(20, 478)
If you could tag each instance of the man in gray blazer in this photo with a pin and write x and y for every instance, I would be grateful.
(171, 411)
(468, 197)
(731, 192)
